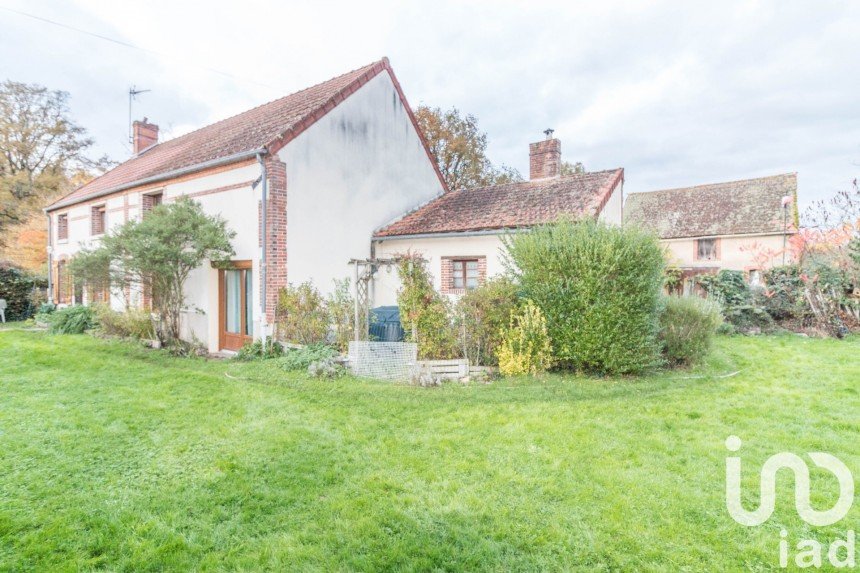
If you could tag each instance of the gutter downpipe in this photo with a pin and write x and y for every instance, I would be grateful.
(264, 176)
(50, 260)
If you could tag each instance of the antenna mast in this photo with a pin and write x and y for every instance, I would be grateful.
(133, 92)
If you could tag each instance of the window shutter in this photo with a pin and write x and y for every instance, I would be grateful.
(62, 227)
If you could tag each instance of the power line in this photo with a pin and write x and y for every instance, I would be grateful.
(134, 47)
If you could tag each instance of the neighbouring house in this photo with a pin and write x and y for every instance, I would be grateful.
(331, 164)
(738, 225)
(460, 233)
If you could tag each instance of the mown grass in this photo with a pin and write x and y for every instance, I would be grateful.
(124, 459)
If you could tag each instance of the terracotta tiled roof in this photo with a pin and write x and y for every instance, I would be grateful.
(750, 206)
(509, 206)
(270, 125)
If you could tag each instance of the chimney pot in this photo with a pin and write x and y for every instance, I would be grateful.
(145, 135)
(545, 157)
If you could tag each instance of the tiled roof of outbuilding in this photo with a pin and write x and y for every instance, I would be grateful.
(749, 206)
(511, 205)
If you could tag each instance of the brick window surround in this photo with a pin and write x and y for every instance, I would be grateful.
(63, 227)
(97, 218)
(453, 269)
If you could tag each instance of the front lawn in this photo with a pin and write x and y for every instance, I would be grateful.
(119, 458)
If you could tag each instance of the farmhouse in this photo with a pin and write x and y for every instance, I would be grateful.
(460, 233)
(303, 180)
(737, 225)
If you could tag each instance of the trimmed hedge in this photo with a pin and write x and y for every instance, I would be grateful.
(599, 287)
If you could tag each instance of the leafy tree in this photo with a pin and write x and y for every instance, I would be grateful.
(158, 253)
(40, 149)
(460, 149)
(568, 168)
(25, 244)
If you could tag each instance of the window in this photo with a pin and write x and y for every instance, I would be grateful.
(98, 220)
(465, 273)
(755, 277)
(149, 202)
(706, 250)
(63, 227)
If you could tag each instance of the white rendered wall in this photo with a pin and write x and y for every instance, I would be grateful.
(387, 284)
(237, 206)
(356, 169)
(613, 211)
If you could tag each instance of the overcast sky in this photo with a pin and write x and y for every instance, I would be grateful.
(677, 93)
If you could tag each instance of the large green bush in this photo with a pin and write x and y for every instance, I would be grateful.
(599, 289)
(19, 289)
(424, 313)
(73, 320)
(687, 328)
(481, 315)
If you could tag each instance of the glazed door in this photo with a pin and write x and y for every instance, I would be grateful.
(236, 310)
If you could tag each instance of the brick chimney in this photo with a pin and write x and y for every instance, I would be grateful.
(545, 157)
(145, 135)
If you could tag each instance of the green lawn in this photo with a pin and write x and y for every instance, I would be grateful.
(118, 458)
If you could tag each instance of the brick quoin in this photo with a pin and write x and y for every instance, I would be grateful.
(276, 220)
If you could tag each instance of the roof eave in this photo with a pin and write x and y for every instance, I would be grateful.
(167, 175)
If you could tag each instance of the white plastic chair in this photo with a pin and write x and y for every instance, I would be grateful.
(3, 309)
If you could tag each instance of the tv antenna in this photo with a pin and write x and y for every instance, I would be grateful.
(133, 92)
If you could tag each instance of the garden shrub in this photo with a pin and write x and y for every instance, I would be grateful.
(18, 288)
(73, 320)
(424, 313)
(340, 306)
(742, 307)
(43, 315)
(687, 328)
(302, 317)
(301, 358)
(783, 295)
(481, 316)
(258, 351)
(131, 323)
(599, 287)
(526, 347)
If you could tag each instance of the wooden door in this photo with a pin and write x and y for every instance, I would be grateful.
(235, 303)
